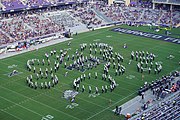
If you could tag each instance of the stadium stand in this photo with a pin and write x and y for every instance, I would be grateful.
(168, 109)
(62, 18)
(38, 24)
(23, 26)
(114, 13)
(164, 82)
(4, 39)
(11, 5)
(42, 25)
(151, 16)
(138, 14)
(86, 16)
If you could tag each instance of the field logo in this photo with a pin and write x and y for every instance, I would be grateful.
(147, 35)
(68, 94)
(13, 73)
(12, 66)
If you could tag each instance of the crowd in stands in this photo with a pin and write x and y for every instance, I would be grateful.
(4, 39)
(113, 12)
(86, 15)
(159, 85)
(138, 13)
(15, 28)
(23, 4)
(41, 25)
(168, 109)
(169, 17)
(63, 18)
(151, 16)
(23, 26)
(132, 14)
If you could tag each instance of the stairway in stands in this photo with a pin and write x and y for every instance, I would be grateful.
(102, 16)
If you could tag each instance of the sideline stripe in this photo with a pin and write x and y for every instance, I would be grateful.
(110, 106)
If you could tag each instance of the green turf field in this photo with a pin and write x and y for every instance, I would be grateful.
(18, 101)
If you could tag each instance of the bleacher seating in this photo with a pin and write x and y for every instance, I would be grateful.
(4, 39)
(23, 4)
(151, 16)
(131, 13)
(62, 18)
(113, 12)
(138, 14)
(38, 23)
(167, 18)
(87, 16)
(25, 27)
(168, 109)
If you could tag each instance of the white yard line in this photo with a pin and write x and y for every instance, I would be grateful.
(88, 84)
(85, 100)
(123, 81)
(40, 103)
(62, 92)
(94, 86)
(91, 85)
(21, 106)
(24, 101)
(11, 115)
(79, 98)
(44, 92)
(109, 106)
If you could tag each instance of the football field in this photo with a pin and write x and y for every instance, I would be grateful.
(18, 101)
